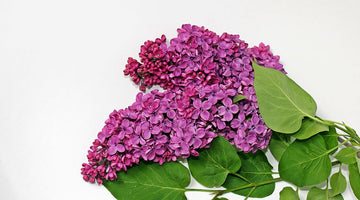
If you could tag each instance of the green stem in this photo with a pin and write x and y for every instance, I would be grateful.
(250, 185)
(240, 176)
(221, 192)
(201, 190)
(341, 126)
(251, 191)
(347, 144)
(340, 167)
(339, 145)
(343, 135)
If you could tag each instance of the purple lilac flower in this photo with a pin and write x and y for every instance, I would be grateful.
(201, 108)
(114, 145)
(201, 73)
(228, 109)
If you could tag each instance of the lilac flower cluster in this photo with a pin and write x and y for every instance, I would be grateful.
(201, 73)
(158, 127)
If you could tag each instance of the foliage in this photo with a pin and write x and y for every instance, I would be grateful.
(303, 143)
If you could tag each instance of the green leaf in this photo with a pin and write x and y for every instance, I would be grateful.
(330, 138)
(282, 103)
(278, 144)
(255, 168)
(305, 162)
(336, 197)
(338, 183)
(309, 128)
(213, 165)
(238, 98)
(358, 162)
(347, 155)
(317, 194)
(354, 178)
(151, 181)
(222, 198)
(288, 193)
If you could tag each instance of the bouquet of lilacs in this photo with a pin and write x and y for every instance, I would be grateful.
(221, 105)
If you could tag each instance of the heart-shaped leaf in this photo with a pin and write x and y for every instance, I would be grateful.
(347, 155)
(288, 193)
(309, 128)
(255, 168)
(282, 103)
(213, 165)
(317, 194)
(151, 181)
(354, 178)
(278, 144)
(338, 183)
(331, 139)
(332, 197)
(305, 162)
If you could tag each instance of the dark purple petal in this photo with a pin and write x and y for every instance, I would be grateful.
(171, 114)
(220, 95)
(160, 151)
(125, 123)
(231, 92)
(112, 150)
(221, 110)
(227, 102)
(200, 133)
(205, 115)
(146, 134)
(260, 128)
(121, 135)
(234, 108)
(228, 116)
(120, 148)
(255, 119)
(222, 53)
(114, 140)
(150, 155)
(206, 105)
(235, 123)
(145, 126)
(101, 136)
(245, 147)
(251, 137)
(213, 100)
(197, 143)
(155, 130)
(197, 103)
(128, 130)
(227, 72)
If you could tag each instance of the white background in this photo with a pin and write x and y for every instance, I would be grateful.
(61, 66)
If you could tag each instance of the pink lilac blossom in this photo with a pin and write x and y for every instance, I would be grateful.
(201, 73)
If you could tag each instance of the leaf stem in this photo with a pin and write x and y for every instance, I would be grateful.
(347, 143)
(341, 126)
(339, 145)
(201, 190)
(251, 191)
(340, 167)
(251, 185)
(242, 177)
